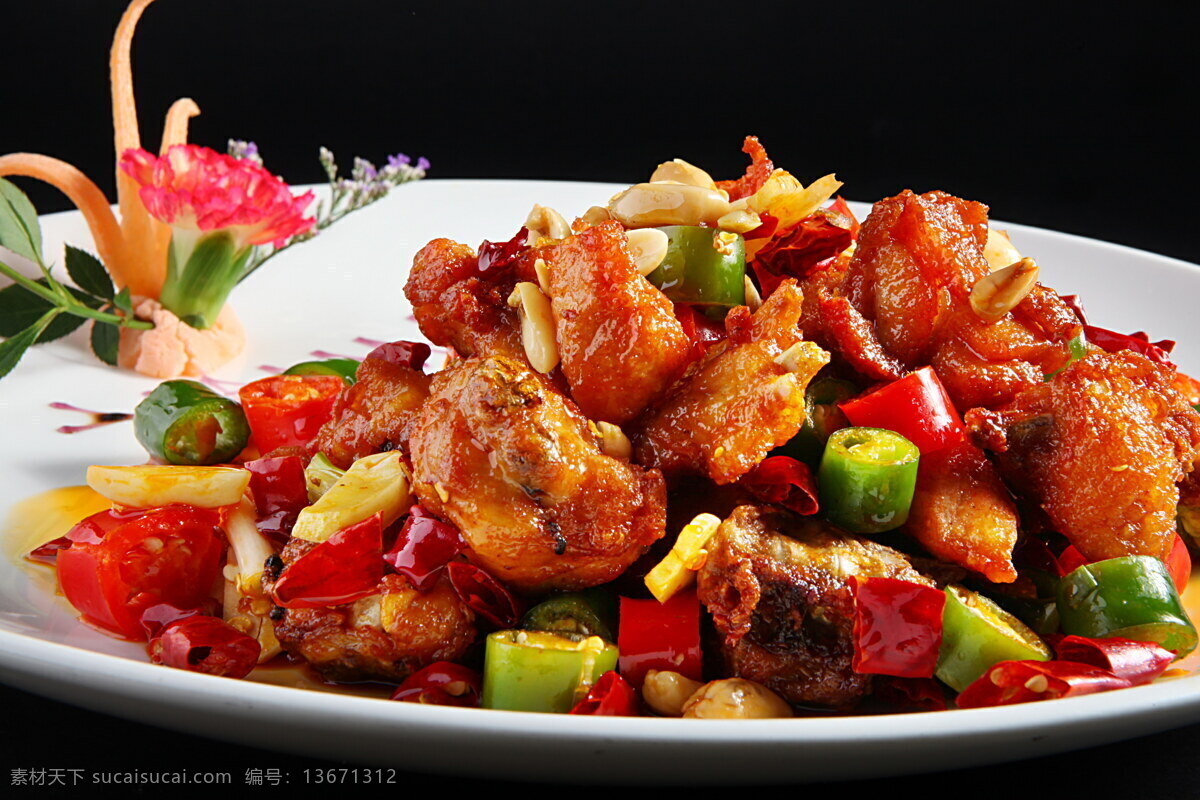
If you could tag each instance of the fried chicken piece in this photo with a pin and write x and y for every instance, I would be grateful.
(743, 400)
(1100, 448)
(776, 586)
(455, 308)
(374, 414)
(386, 636)
(520, 471)
(620, 343)
(904, 303)
(962, 513)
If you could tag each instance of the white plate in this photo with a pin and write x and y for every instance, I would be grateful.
(347, 284)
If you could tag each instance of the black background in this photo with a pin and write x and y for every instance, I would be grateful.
(1072, 116)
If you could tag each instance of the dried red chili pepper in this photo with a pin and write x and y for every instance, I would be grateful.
(910, 694)
(280, 492)
(1070, 560)
(757, 172)
(611, 696)
(702, 332)
(423, 548)
(483, 594)
(1074, 303)
(205, 644)
(442, 683)
(159, 616)
(840, 206)
(1035, 554)
(1136, 662)
(797, 251)
(48, 552)
(344, 568)
(1139, 342)
(496, 257)
(1012, 682)
(402, 353)
(783, 481)
(897, 627)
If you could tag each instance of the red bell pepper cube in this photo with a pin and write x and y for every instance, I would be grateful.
(663, 636)
(917, 407)
(897, 627)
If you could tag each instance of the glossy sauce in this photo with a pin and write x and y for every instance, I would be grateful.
(49, 515)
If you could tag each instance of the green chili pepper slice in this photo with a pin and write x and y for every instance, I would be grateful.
(540, 671)
(1132, 597)
(344, 368)
(977, 633)
(1077, 347)
(822, 417)
(587, 613)
(867, 479)
(186, 423)
(703, 266)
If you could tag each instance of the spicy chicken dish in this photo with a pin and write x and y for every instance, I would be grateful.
(714, 449)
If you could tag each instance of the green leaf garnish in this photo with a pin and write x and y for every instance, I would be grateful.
(105, 340)
(21, 308)
(12, 348)
(124, 301)
(19, 229)
(88, 273)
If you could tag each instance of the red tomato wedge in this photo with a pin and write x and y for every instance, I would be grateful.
(121, 563)
(288, 410)
(917, 407)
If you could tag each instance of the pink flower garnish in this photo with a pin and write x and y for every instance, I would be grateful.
(199, 188)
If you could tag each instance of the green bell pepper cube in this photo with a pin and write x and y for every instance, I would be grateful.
(344, 368)
(976, 634)
(540, 671)
(867, 479)
(186, 423)
(1132, 597)
(703, 266)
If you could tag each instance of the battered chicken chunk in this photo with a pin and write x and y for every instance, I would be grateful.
(385, 636)
(904, 303)
(743, 400)
(456, 308)
(1101, 448)
(776, 586)
(374, 414)
(962, 512)
(520, 471)
(620, 343)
